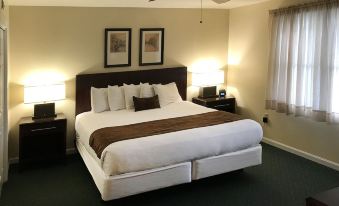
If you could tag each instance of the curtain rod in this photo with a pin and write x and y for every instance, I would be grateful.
(305, 5)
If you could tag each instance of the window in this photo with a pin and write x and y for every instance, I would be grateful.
(304, 61)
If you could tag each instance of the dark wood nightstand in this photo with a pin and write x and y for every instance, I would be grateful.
(224, 104)
(327, 198)
(42, 140)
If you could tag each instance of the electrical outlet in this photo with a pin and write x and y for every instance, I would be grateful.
(265, 118)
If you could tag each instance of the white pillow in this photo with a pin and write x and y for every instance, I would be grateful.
(167, 93)
(99, 99)
(130, 90)
(146, 90)
(116, 99)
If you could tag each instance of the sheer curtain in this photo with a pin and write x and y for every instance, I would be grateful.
(304, 61)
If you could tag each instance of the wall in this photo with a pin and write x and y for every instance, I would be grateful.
(248, 54)
(60, 42)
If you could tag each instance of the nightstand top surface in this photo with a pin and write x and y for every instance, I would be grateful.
(29, 120)
(214, 98)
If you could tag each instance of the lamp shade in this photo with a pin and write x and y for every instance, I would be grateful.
(44, 93)
(208, 78)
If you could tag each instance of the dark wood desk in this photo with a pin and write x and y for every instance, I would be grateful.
(327, 198)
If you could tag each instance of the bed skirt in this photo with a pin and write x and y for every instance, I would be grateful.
(226, 163)
(118, 186)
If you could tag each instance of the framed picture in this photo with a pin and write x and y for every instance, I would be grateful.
(151, 49)
(117, 47)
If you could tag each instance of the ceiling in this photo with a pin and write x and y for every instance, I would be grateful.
(134, 3)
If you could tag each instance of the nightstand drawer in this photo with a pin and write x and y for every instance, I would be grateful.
(223, 103)
(227, 106)
(42, 128)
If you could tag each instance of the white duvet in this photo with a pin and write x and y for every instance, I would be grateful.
(165, 149)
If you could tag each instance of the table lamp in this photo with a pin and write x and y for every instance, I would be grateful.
(45, 95)
(208, 81)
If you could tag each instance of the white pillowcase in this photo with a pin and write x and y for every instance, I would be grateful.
(116, 98)
(146, 90)
(167, 93)
(99, 99)
(131, 90)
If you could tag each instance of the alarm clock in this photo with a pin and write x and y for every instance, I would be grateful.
(222, 93)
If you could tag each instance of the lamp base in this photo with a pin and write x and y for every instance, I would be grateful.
(42, 111)
(208, 92)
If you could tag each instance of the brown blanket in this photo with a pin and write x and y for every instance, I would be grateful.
(103, 137)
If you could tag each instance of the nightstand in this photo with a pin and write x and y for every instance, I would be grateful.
(42, 140)
(226, 104)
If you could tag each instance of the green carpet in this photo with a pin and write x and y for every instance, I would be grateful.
(283, 179)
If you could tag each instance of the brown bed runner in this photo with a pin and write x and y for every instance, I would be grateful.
(103, 137)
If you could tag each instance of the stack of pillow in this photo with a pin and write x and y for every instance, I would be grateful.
(129, 96)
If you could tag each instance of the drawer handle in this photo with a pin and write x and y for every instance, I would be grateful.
(42, 129)
(224, 105)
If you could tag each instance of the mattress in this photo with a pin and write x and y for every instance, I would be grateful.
(166, 149)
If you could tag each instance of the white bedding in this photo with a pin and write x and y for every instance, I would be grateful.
(166, 149)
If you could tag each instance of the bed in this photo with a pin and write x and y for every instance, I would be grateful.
(147, 163)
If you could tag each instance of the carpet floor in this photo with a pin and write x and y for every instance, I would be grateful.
(283, 179)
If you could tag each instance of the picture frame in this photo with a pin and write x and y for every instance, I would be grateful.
(118, 47)
(151, 46)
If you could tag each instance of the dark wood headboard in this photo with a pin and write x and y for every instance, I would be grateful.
(84, 82)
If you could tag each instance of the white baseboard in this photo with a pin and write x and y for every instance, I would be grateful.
(69, 151)
(303, 154)
(13, 160)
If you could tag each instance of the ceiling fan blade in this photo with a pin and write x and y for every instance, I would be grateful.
(220, 1)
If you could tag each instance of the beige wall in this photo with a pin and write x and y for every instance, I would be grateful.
(58, 43)
(248, 54)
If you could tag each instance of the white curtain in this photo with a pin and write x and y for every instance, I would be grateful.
(304, 61)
